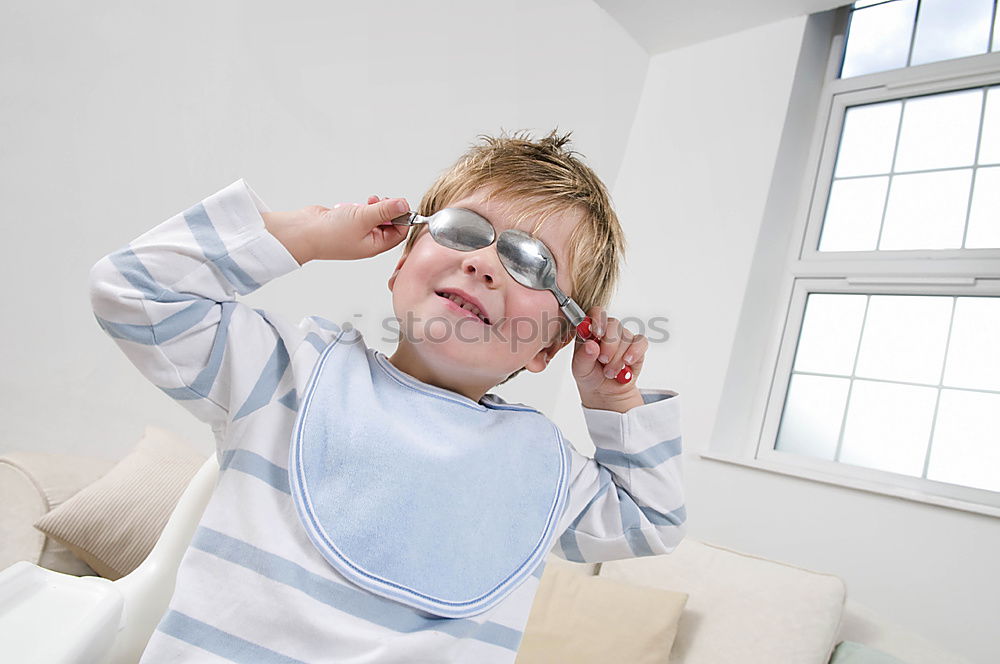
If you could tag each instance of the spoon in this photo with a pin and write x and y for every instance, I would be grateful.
(532, 265)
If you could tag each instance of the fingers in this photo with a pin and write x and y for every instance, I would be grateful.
(599, 321)
(617, 346)
(370, 201)
(616, 340)
(635, 353)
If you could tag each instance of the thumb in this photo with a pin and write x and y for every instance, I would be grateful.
(585, 358)
(375, 224)
(381, 213)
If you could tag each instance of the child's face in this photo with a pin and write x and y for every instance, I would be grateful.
(449, 348)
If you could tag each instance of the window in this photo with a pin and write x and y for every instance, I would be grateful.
(884, 372)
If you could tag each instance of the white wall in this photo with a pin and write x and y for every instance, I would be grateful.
(119, 115)
(698, 167)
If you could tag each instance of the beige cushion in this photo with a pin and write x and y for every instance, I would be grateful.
(742, 608)
(588, 619)
(113, 524)
(32, 484)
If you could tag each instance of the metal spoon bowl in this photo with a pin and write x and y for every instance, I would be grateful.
(455, 228)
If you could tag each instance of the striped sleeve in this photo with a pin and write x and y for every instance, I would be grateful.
(167, 299)
(627, 501)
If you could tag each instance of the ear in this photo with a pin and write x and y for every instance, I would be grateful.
(402, 259)
(541, 359)
(392, 278)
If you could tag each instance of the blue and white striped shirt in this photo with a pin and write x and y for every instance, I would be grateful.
(251, 586)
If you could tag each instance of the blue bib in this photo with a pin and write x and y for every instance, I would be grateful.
(417, 493)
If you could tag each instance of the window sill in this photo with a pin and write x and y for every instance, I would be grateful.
(870, 486)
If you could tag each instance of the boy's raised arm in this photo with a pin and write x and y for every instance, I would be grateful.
(627, 501)
(168, 301)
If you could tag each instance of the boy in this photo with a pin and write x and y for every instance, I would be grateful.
(389, 509)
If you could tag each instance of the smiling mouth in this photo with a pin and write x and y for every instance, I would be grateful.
(453, 304)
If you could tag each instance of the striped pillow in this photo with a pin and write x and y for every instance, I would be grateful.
(113, 523)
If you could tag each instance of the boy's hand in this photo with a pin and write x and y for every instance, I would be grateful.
(595, 364)
(348, 231)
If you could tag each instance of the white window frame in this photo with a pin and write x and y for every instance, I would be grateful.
(787, 266)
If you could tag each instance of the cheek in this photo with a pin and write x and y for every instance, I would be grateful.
(422, 259)
(535, 319)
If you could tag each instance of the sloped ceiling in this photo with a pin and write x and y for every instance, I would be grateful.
(663, 25)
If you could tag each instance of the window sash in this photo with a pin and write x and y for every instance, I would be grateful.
(880, 481)
(838, 96)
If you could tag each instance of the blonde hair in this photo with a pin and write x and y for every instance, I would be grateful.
(541, 178)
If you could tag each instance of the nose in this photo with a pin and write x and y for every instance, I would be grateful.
(482, 263)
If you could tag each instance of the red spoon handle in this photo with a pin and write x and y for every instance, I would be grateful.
(583, 329)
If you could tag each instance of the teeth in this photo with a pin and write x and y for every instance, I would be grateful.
(468, 306)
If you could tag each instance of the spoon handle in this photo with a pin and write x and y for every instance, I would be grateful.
(407, 219)
(583, 329)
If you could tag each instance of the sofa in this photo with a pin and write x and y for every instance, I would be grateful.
(724, 605)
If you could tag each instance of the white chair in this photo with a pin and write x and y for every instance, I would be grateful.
(98, 620)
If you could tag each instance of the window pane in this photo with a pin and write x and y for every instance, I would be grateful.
(984, 217)
(831, 327)
(814, 411)
(888, 426)
(966, 449)
(854, 214)
(989, 147)
(974, 347)
(939, 131)
(868, 139)
(926, 210)
(879, 38)
(904, 338)
(951, 29)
